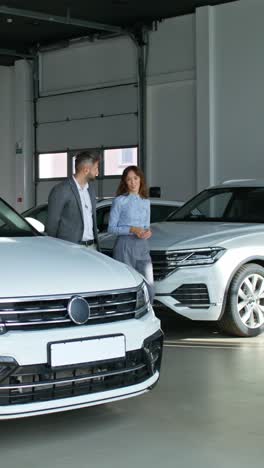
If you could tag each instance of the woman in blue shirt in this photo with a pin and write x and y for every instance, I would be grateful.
(130, 221)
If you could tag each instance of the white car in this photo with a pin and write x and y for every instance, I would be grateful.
(160, 210)
(76, 327)
(208, 257)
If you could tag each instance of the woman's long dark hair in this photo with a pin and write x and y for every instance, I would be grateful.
(122, 188)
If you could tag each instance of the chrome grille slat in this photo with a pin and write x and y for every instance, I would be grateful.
(108, 303)
(24, 324)
(115, 314)
(52, 311)
(164, 263)
(31, 311)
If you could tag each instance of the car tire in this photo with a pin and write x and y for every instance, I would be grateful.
(244, 311)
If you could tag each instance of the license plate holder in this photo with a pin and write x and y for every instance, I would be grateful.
(70, 353)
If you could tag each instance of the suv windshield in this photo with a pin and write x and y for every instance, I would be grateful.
(236, 205)
(12, 224)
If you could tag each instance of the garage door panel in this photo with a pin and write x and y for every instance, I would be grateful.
(108, 101)
(88, 133)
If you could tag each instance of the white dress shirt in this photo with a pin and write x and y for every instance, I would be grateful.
(87, 211)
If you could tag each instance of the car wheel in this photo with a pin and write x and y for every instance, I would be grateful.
(244, 311)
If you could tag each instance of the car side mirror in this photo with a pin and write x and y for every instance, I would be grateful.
(36, 224)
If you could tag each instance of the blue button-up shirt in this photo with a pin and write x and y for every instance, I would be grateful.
(127, 211)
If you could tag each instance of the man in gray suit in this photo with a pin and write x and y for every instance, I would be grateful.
(72, 203)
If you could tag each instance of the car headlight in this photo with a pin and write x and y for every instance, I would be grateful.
(142, 304)
(205, 256)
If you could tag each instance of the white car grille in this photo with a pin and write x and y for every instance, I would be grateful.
(50, 312)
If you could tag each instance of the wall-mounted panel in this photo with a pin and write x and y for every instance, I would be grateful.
(85, 104)
(88, 133)
(87, 66)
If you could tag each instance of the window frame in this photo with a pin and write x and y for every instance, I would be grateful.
(117, 176)
(70, 155)
(46, 179)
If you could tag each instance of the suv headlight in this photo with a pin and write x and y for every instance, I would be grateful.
(142, 304)
(205, 256)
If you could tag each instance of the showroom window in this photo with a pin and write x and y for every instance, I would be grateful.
(116, 160)
(52, 165)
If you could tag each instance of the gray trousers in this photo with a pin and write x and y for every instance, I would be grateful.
(135, 252)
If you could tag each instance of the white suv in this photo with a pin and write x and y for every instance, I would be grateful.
(208, 257)
(76, 327)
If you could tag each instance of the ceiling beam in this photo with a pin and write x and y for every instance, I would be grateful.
(15, 53)
(67, 20)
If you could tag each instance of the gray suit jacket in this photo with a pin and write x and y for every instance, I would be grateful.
(65, 215)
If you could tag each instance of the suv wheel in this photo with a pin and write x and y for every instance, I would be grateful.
(244, 312)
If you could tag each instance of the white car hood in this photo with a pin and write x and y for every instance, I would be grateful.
(185, 234)
(36, 266)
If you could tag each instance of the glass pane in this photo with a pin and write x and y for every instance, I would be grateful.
(12, 224)
(160, 212)
(242, 205)
(116, 160)
(103, 218)
(52, 165)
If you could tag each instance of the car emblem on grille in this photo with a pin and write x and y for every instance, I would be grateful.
(78, 310)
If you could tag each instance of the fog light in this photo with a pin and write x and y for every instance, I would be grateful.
(2, 329)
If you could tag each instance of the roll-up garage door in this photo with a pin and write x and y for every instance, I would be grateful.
(88, 98)
(99, 118)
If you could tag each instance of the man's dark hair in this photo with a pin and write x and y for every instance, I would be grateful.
(84, 157)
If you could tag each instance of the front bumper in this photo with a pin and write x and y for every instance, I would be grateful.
(30, 386)
(212, 277)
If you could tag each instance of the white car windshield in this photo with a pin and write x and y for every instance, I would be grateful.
(12, 224)
(235, 204)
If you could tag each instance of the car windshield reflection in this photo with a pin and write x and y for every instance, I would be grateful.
(12, 224)
(234, 205)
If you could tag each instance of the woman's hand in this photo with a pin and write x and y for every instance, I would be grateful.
(147, 233)
(137, 231)
(141, 233)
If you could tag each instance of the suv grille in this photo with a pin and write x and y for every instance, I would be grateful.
(192, 294)
(50, 312)
(30, 384)
(163, 264)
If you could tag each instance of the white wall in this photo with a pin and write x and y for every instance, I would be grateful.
(230, 98)
(7, 156)
(171, 121)
(239, 95)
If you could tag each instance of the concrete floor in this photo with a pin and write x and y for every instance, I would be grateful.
(207, 411)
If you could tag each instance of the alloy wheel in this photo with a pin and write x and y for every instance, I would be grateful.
(250, 301)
